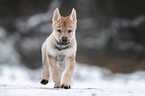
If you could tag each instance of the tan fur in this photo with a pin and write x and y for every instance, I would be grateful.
(62, 60)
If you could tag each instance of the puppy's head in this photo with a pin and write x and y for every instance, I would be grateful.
(64, 27)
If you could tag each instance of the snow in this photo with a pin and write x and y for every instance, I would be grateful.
(2, 32)
(8, 54)
(87, 81)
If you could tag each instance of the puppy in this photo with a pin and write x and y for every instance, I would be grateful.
(59, 50)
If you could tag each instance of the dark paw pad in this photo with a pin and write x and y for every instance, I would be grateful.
(65, 87)
(44, 81)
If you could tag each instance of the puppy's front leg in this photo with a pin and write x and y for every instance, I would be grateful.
(68, 74)
(56, 75)
(45, 64)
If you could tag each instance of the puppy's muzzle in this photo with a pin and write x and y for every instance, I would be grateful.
(64, 40)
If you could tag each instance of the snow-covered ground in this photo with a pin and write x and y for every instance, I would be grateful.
(87, 81)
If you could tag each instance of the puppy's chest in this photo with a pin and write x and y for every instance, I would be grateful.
(60, 55)
(60, 58)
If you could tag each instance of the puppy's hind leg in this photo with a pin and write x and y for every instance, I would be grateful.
(46, 72)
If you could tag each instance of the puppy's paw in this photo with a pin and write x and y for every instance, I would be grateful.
(65, 86)
(44, 81)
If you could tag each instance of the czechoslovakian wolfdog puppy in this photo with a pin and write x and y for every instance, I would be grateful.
(59, 50)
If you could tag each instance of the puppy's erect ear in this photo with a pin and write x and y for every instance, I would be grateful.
(73, 15)
(56, 15)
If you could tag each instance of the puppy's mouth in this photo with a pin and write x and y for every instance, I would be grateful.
(63, 43)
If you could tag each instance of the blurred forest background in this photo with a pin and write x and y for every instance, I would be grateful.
(110, 33)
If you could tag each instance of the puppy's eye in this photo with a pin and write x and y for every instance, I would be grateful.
(59, 30)
(69, 31)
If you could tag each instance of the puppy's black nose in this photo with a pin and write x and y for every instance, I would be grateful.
(64, 39)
